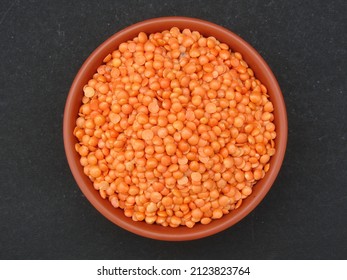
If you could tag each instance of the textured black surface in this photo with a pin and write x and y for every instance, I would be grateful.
(43, 214)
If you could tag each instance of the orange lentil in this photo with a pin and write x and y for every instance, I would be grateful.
(153, 107)
(217, 214)
(170, 149)
(211, 108)
(175, 129)
(167, 201)
(196, 176)
(238, 122)
(257, 174)
(197, 214)
(89, 92)
(147, 134)
(94, 171)
(205, 221)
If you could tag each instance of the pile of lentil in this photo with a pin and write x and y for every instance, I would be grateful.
(175, 129)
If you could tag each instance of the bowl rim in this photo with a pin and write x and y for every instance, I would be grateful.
(205, 230)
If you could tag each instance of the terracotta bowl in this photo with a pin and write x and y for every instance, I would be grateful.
(262, 72)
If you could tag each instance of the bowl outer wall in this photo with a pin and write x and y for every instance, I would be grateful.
(262, 72)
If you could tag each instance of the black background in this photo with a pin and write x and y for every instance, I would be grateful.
(43, 214)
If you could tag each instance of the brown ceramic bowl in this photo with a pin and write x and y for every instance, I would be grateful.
(262, 72)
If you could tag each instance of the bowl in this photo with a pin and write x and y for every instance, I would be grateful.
(262, 72)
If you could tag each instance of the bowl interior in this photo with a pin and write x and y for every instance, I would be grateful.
(262, 72)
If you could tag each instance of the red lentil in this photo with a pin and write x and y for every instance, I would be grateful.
(175, 129)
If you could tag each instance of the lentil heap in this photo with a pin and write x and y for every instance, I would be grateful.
(175, 129)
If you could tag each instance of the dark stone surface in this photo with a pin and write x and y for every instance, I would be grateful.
(43, 214)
